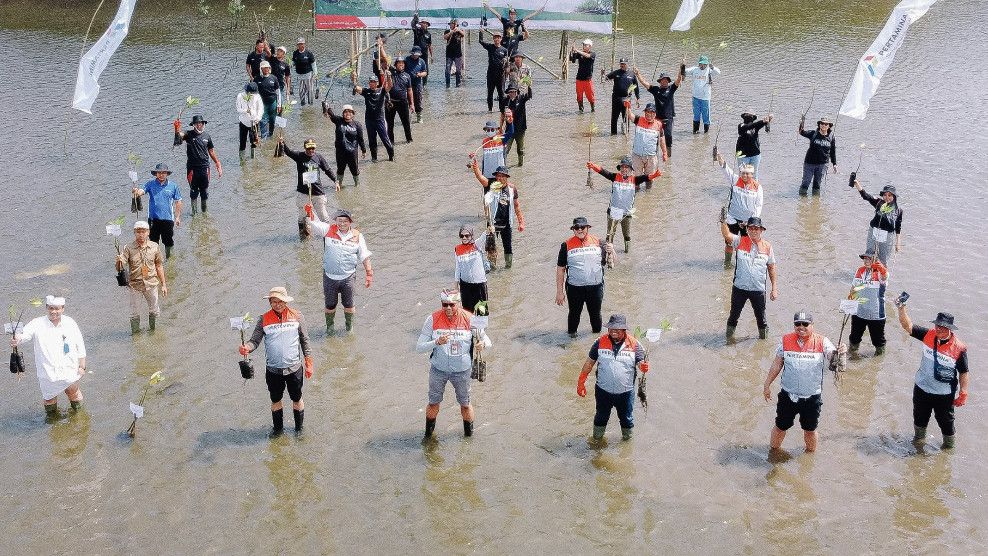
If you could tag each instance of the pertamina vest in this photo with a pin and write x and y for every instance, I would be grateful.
(340, 256)
(493, 155)
(281, 344)
(583, 266)
(616, 373)
(873, 293)
(623, 192)
(802, 366)
(939, 376)
(744, 199)
(646, 137)
(751, 271)
(470, 264)
(455, 355)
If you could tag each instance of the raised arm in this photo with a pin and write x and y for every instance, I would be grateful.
(904, 321)
(533, 14)
(480, 177)
(642, 80)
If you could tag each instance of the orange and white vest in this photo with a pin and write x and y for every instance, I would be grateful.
(282, 349)
(493, 155)
(623, 191)
(616, 372)
(646, 136)
(341, 256)
(746, 201)
(802, 366)
(583, 261)
(751, 270)
(939, 376)
(455, 355)
(873, 292)
(469, 264)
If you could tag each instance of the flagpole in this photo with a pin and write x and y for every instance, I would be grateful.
(614, 33)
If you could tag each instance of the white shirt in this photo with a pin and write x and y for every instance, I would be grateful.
(701, 80)
(249, 111)
(57, 351)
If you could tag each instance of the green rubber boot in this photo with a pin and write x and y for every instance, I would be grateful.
(356, 181)
(598, 432)
(853, 348)
(920, 434)
(948, 442)
(135, 325)
(151, 322)
(348, 318)
(330, 322)
(627, 246)
(626, 433)
(763, 333)
(730, 332)
(507, 261)
(879, 350)
(51, 412)
(168, 252)
(195, 207)
(203, 200)
(727, 258)
(76, 404)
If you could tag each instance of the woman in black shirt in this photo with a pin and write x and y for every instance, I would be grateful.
(885, 228)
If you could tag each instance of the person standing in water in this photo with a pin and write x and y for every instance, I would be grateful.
(501, 197)
(665, 103)
(199, 150)
(580, 275)
(146, 276)
(624, 84)
(754, 269)
(885, 228)
(584, 59)
(497, 59)
(870, 281)
(345, 248)
(164, 207)
(309, 192)
(702, 77)
(745, 201)
(748, 148)
(454, 52)
(349, 137)
(821, 153)
(624, 187)
(374, 116)
(470, 268)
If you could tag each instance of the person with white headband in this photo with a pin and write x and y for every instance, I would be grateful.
(59, 354)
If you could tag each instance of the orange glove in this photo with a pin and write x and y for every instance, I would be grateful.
(961, 399)
(309, 366)
(309, 212)
(581, 386)
(244, 350)
(178, 125)
(643, 366)
(592, 166)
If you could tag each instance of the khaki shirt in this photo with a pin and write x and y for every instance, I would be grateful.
(142, 262)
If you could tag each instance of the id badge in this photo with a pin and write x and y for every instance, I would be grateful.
(65, 345)
(454, 347)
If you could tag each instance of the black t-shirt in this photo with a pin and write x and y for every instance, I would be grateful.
(890, 219)
(281, 70)
(748, 144)
(919, 332)
(302, 165)
(623, 80)
(268, 88)
(665, 102)
(197, 148)
(823, 148)
(303, 61)
(495, 57)
(400, 83)
(254, 60)
(502, 216)
(517, 107)
(454, 46)
(422, 37)
(349, 136)
(511, 29)
(584, 65)
(374, 103)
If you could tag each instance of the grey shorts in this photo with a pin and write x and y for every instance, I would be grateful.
(336, 289)
(437, 385)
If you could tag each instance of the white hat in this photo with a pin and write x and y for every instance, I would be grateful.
(53, 301)
(279, 293)
(348, 107)
(749, 168)
(141, 225)
(265, 64)
(588, 42)
(281, 48)
(449, 296)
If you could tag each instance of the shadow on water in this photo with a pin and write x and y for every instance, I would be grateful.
(712, 339)
(409, 441)
(894, 445)
(25, 423)
(753, 457)
(210, 441)
(548, 338)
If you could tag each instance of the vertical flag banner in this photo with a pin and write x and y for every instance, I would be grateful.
(879, 56)
(687, 11)
(590, 16)
(96, 59)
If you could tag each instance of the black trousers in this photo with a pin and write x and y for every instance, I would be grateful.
(617, 108)
(199, 182)
(495, 82)
(667, 131)
(738, 299)
(378, 127)
(345, 159)
(472, 293)
(246, 132)
(163, 230)
(876, 329)
(593, 298)
(417, 91)
(505, 234)
(401, 108)
(941, 405)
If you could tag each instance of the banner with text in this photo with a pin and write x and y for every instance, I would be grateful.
(590, 16)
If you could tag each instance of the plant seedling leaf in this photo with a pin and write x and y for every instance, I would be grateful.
(155, 378)
(36, 302)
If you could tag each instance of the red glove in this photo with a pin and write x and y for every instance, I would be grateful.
(581, 387)
(244, 350)
(961, 399)
(309, 213)
(178, 125)
(643, 366)
(309, 366)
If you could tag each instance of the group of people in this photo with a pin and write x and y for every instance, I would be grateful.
(455, 335)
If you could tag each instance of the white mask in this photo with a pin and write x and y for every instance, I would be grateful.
(490, 133)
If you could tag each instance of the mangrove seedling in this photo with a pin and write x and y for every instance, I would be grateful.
(115, 228)
(138, 408)
(16, 363)
(190, 101)
(242, 324)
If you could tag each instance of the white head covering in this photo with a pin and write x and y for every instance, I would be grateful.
(53, 301)
(449, 296)
(588, 42)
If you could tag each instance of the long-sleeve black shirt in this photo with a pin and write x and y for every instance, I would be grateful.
(517, 107)
(748, 144)
(823, 148)
(888, 219)
(349, 136)
(374, 100)
(303, 162)
(584, 65)
(496, 56)
(623, 80)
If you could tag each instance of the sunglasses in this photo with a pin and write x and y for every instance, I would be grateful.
(465, 236)
(449, 304)
(580, 227)
(801, 324)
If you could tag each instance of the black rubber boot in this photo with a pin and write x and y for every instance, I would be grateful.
(507, 261)
(730, 332)
(580, 104)
(763, 333)
(168, 252)
(151, 322)
(626, 433)
(430, 428)
(627, 245)
(195, 207)
(203, 205)
(879, 350)
(593, 108)
(696, 128)
(299, 417)
(75, 404)
(468, 428)
(948, 442)
(706, 128)
(277, 422)
(919, 435)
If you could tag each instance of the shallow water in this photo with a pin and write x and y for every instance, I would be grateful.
(202, 476)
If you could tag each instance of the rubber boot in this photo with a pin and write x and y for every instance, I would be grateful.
(696, 128)
(593, 108)
(467, 428)
(430, 429)
(919, 435)
(299, 417)
(151, 322)
(853, 348)
(627, 246)
(507, 260)
(948, 442)
(51, 413)
(763, 333)
(626, 433)
(348, 318)
(135, 325)
(168, 252)
(418, 118)
(598, 432)
(580, 104)
(203, 200)
(330, 322)
(76, 404)
(879, 350)
(277, 422)
(195, 208)
(730, 332)
(356, 181)
(303, 232)
(521, 160)
(728, 255)
(706, 128)
(803, 191)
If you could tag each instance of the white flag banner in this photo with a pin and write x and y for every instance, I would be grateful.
(96, 59)
(687, 11)
(879, 56)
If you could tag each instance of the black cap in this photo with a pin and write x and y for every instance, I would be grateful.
(626, 161)
(650, 106)
(197, 119)
(617, 321)
(579, 222)
(868, 254)
(502, 170)
(945, 320)
(803, 316)
(755, 221)
(664, 75)
(511, 88)
(344, 213)
(623, 61)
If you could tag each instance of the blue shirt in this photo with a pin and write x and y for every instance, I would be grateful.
(160, 199)
(414, 67)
